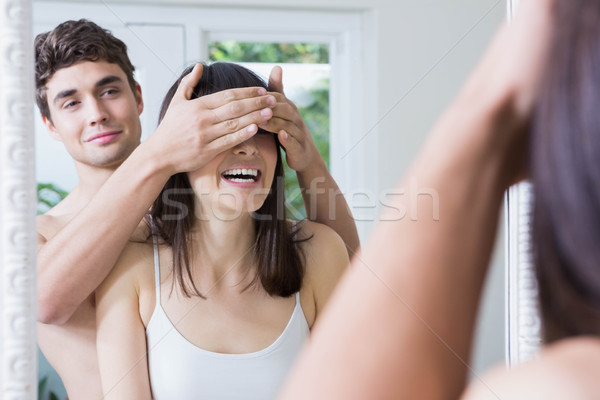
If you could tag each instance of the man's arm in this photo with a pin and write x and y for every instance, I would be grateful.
(73, 262)
(323, 200)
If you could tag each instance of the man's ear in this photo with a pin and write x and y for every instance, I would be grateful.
(138, 97)
(51, 129)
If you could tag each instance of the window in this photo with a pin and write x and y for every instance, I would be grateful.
(306, 75)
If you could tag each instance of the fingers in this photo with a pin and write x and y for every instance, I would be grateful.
(188, 83)
(230, 96)
(286, 111)
(285, 117)
(230, 140)
(276, 79)
(236, 124)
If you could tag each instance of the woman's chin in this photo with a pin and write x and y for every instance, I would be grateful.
(234, 213)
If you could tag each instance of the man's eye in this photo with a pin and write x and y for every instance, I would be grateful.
(109, 92)
(70, 104)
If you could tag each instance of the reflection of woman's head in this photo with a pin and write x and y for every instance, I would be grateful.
(278, 262)
(566, 175)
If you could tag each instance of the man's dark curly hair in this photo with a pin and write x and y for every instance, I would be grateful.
(69, 43)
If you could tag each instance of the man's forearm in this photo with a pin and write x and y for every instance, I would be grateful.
(325, 204)
(72, 263)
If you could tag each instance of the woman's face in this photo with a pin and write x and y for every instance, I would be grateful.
(236, 181)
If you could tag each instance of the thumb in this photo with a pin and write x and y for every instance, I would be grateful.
(286, 141)
(276, 80)
(188, 83)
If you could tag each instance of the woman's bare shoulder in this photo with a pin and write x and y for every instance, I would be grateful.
(135, 261)
(326, 259)
(568, 369)
(318, 241)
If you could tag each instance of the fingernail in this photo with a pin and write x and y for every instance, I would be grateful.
(266, 112)
(250, 128)
(270, 100)
(262, 91)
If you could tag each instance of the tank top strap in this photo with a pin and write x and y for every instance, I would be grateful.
(156, 269)
(297, 297)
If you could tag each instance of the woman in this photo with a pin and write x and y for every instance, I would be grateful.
(220, 301)
(425, 277)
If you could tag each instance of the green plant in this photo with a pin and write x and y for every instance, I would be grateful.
(48, 195)
(42, 395)
(306, 53)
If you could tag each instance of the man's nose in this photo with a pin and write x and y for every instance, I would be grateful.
(97, 113)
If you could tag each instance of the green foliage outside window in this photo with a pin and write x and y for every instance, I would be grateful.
(315, 107)
(301, 53)
(48, 195)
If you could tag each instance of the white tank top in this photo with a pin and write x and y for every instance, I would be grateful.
(180, 370)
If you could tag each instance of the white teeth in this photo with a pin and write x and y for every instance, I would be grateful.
(241, 180)
(244, 171)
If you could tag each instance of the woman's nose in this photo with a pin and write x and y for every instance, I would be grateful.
(247, 147)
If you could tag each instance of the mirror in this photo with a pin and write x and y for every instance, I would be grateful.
(382, 102)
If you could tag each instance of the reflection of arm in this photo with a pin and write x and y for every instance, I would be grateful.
(76, 260)
(121, 340)
(325, 204)
(407, 305)
(400, 324)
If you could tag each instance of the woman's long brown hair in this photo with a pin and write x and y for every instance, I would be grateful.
(278, 260)
(566, 175)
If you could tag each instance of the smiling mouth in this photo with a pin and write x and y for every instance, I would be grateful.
(103, 137)
(242, 175)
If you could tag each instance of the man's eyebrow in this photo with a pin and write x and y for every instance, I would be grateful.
(107, 80)
(63, 94)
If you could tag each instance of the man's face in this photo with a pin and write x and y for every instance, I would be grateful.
(94, 113)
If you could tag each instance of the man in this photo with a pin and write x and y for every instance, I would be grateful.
(89, 100)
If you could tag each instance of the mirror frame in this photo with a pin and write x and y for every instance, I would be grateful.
(523, 320)
(18, 355)
(18, 351)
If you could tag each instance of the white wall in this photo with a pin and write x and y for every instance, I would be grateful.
(416, 55)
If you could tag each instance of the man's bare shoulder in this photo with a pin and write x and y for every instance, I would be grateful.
(49, 224)
(568, 369)
(53, 220)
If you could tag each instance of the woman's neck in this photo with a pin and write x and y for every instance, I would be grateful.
(223, 249)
